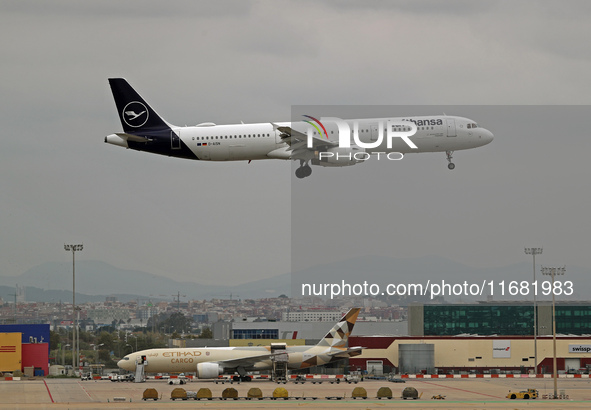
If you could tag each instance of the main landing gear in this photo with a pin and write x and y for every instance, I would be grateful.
(304, 170)
(241, 378)
(451, 165)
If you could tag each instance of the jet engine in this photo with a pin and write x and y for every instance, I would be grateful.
(340, 157)
(209, 370)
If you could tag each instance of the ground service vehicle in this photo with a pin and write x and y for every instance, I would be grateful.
(526, 395)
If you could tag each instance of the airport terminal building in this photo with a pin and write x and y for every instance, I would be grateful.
(313, 331)
(482, 338)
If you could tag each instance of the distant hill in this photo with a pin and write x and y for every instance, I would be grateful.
(95, 280)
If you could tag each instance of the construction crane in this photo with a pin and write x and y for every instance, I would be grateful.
(15, 294)
(178, 300)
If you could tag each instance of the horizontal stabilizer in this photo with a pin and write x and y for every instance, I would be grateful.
(122, 138)
(130, 137)
(353, 351)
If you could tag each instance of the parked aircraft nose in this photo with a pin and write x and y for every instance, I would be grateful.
(125, 363)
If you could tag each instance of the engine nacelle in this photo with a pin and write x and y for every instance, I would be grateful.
(209, 370)
(340, 157)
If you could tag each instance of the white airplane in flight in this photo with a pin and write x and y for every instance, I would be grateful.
(328, 142)
(210, 362)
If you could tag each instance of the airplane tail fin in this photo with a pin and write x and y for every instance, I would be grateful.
(339, 334)
(134, 112)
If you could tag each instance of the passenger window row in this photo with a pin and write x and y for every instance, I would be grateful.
(222, 137)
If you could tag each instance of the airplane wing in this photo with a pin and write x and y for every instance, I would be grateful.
(298, 140)
(246, 361)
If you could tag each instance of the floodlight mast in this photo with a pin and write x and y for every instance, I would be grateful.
(534, 252)
(553, 271)
(75, 346)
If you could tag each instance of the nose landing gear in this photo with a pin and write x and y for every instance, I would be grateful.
(304, 170)
(451, 165)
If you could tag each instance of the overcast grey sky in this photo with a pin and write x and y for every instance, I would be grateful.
(228, 62)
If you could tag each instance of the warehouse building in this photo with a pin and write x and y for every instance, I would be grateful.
(470, 354)
(24, 348)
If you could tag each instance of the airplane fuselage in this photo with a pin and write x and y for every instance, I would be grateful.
(177, 360)
(327, 142)
(243, 142)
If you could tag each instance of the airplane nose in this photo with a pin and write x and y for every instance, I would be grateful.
(124, 364)
(487, 136)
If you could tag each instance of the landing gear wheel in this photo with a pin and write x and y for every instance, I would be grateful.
(236, 378)
(451, 165)
(303, 171)
(246, 378)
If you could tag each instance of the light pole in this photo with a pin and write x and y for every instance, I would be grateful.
(135, 337)
(75, 347)
(534, 252)
(553, 271)
(63, 352)
(78, 309)
(95, 347)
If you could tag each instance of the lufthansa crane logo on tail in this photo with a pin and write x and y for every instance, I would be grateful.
(135, 114)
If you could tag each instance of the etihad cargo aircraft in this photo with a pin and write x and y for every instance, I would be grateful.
(210, 362)
(328, 142)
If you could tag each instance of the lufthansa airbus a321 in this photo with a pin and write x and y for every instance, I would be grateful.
(328, 142)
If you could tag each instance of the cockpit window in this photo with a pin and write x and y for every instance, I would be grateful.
(126, 358)
(472, 125)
